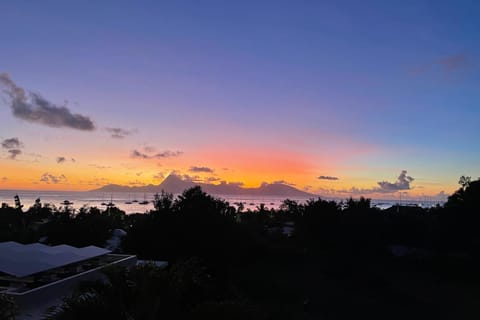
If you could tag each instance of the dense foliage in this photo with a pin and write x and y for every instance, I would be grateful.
(320, 259)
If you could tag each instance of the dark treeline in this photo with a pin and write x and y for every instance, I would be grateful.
(318, 260)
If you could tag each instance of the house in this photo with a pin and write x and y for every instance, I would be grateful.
(38, 276)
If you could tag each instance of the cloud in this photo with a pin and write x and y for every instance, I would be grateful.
(283, 182)
(4, 179)
(402, 183)
(453, 62)
(12, 143)
(50, 178)
(200, 169)
(61, 160)
(14, 153)
(159, 176)
(165, 154)
(136, 183)
(168, 154)
(32, 107)
(119, 133)
(138, 154)
(327, 178)
(236, 183)
(149, 149)
(233, 183)
(99, 166)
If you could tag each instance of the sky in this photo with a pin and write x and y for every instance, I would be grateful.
(338, 98)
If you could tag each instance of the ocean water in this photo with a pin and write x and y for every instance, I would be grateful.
(95, 199)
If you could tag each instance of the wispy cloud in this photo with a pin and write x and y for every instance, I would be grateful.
(52, 179)
(32, 107)
(12, 143)
(137, 183)
(200, 169)
(4, 179)
(119, 133)
(453, 62)
(449, 64)
(159, 176)
(62, 159)
(284, 182)
(99, 166)
(165, 154)
(149, 149)
(14, 153)
(327, 178)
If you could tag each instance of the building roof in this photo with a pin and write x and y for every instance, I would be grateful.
(21, 260)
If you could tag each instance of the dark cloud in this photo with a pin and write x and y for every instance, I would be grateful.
(12, 143)
(138, 154)
(61, 159)
(168, 154)
(32, 107)
(402, 183)
(453, 62)
(119, 133)
(14, 153)
(327, 178)
(200, 169)
(165, 154)
(50, 178)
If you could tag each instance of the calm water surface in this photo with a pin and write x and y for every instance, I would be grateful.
(95, 199)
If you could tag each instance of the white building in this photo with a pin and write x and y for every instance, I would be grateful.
(38, 276)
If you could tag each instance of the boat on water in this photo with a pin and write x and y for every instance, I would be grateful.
(103, 203)
(128, 202)
(66, 203)
(144, 200)
(134, 199)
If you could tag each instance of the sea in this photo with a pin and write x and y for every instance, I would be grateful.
(130, 202)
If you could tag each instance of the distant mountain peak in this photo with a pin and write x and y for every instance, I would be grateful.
(174, 183)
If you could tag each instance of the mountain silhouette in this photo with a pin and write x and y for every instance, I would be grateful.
(175, 184)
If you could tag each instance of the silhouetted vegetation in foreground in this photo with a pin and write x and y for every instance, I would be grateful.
(317, 260)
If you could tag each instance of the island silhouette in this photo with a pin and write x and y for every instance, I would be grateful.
(175, 184)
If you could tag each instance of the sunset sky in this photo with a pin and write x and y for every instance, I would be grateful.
(333, 97)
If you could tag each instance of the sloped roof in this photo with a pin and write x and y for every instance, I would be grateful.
(21, 260)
